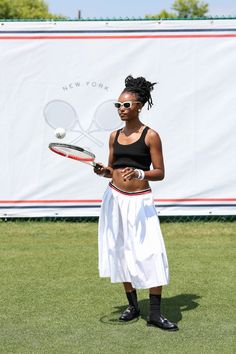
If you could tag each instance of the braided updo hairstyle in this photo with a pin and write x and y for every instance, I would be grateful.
(141, 87)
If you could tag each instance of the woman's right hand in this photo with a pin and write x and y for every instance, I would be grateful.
(100, 169)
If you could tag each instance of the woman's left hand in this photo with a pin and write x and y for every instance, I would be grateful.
(128, 173)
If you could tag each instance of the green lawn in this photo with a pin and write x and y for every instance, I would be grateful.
(52, 300)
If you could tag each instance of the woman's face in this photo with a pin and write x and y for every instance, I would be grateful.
(132, 101)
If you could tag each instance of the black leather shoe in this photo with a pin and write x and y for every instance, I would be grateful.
(129, 314)
(163, 323)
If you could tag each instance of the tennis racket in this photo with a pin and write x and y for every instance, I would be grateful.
(75, 153)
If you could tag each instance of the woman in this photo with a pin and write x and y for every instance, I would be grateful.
(131, 247)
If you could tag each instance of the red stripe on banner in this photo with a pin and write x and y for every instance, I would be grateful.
(50, 201)
(170, 36)
(197, 200)
(99, 200)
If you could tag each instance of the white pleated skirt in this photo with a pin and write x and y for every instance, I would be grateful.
(131, 246)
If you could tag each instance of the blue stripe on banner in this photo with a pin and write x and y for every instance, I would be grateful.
(98, 206)
(127, 31)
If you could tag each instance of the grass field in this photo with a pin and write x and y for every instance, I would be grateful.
(52, 300)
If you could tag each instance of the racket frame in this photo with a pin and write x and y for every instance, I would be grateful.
(55, 147)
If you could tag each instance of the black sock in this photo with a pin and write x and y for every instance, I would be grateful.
(155, 307)
(132, 299)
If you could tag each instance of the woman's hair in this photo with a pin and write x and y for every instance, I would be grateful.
(141, 87)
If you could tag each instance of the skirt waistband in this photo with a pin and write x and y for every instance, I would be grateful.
(145, 191)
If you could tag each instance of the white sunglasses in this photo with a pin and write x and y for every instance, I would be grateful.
(127, 104)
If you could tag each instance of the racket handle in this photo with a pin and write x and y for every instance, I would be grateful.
(96, 165)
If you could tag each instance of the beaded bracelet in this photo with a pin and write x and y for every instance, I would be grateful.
(141, 174)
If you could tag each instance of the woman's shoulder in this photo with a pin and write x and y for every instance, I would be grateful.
(152, 135)
(152, 132)
(114, 134)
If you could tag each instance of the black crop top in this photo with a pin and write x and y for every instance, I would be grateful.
(135, 155)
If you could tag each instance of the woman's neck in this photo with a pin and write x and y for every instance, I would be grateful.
(134, 128)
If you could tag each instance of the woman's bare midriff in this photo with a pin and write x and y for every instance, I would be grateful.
(128, 185)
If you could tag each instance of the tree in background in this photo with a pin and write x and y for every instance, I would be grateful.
(26, 9)
(184, 9)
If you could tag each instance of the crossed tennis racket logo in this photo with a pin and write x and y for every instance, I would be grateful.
(59, 113)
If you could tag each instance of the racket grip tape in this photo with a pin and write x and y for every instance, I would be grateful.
(96, 166)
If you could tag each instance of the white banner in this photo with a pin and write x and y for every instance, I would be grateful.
(49, 71)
